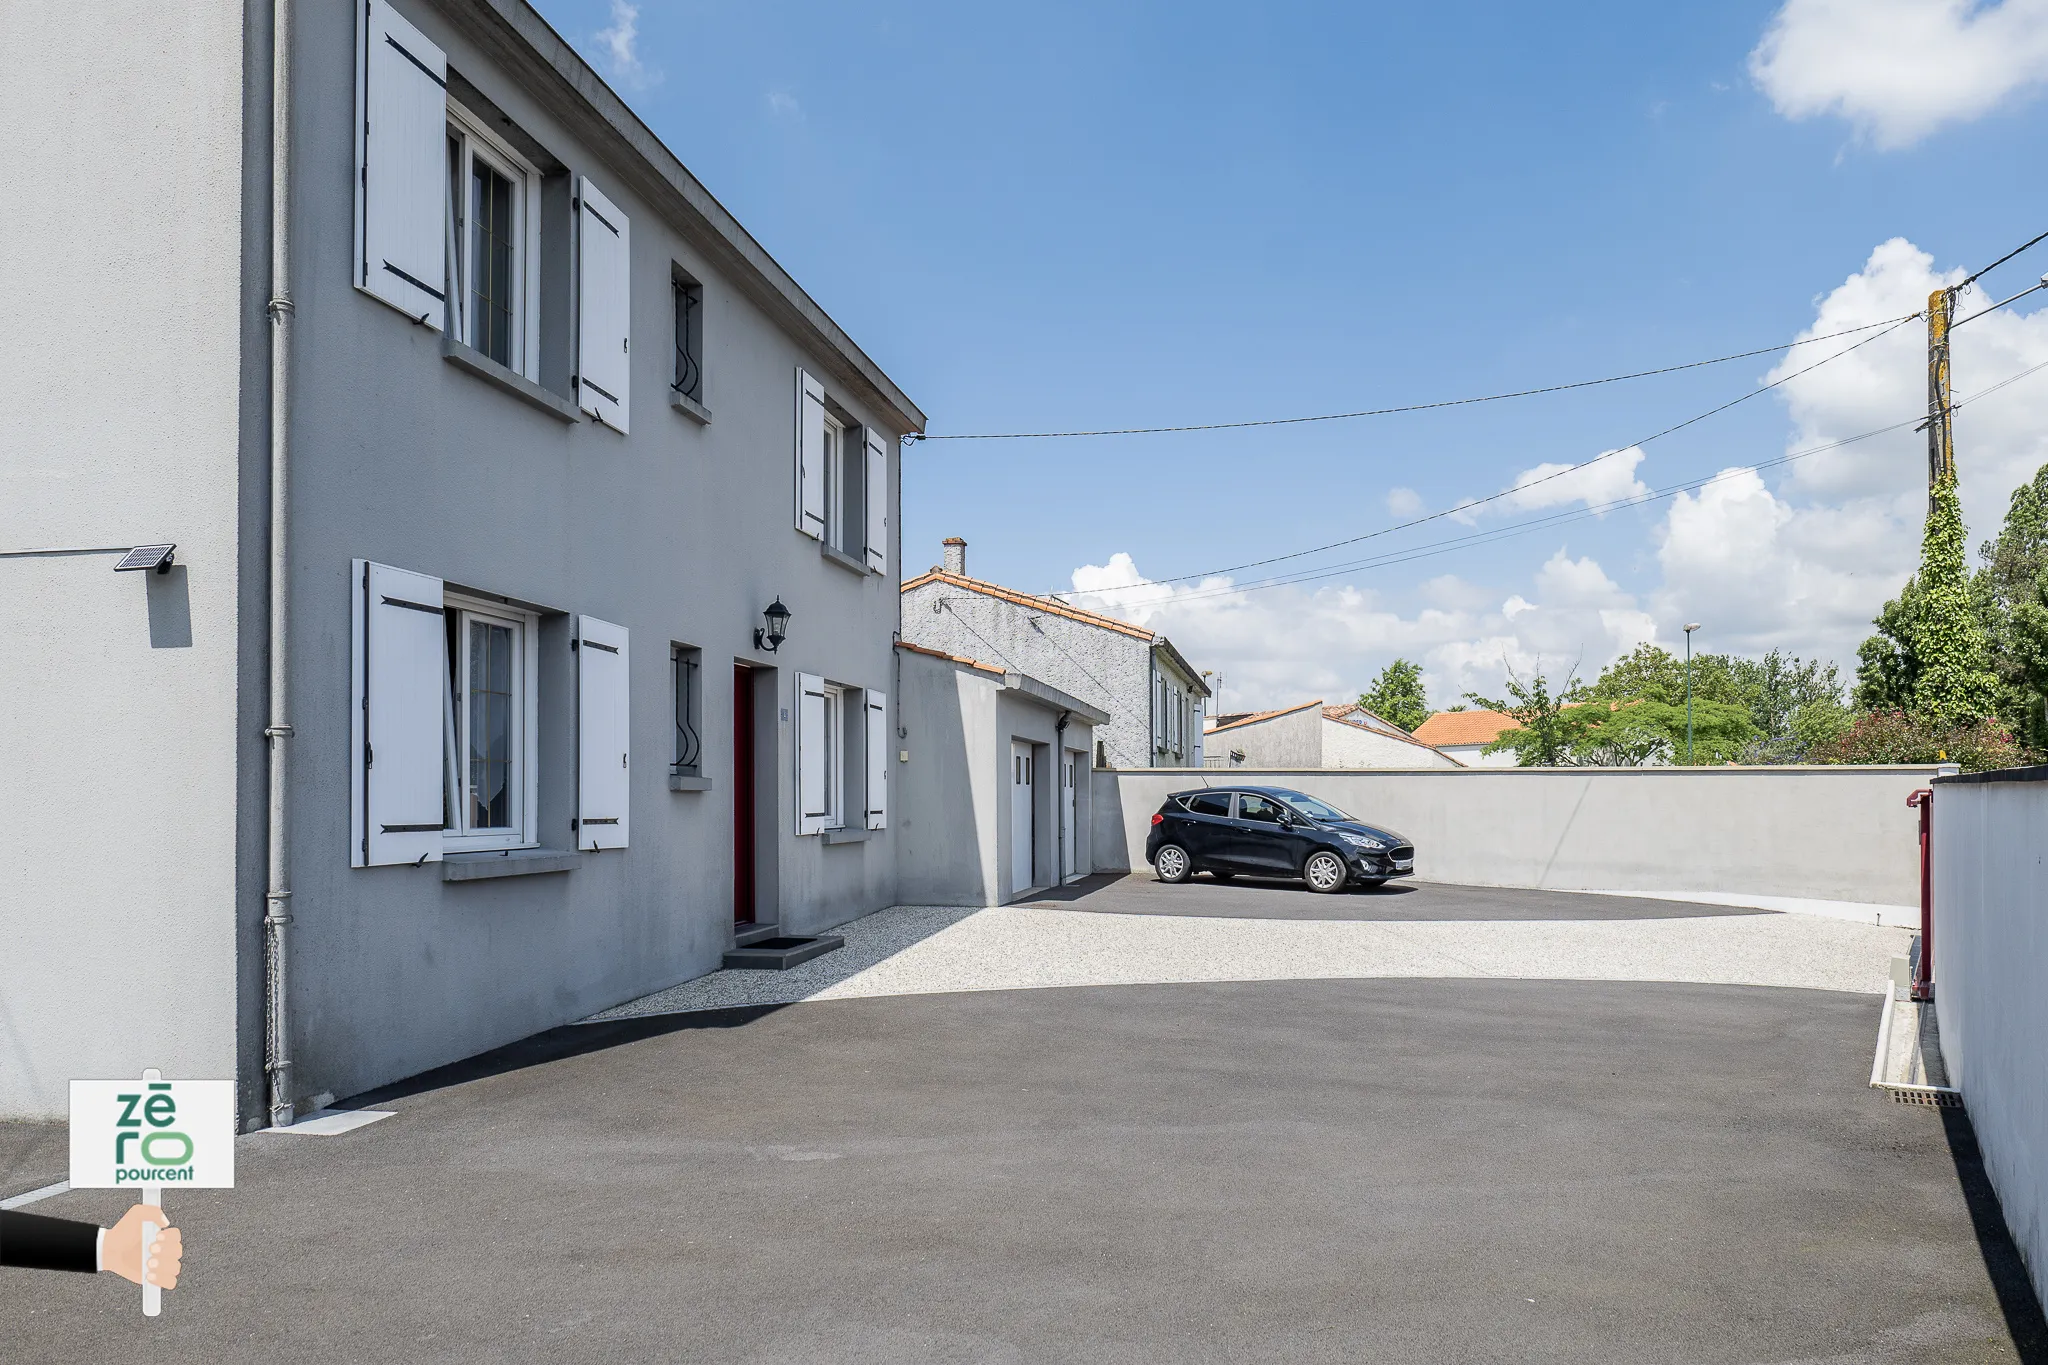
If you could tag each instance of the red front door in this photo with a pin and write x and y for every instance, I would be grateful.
(742, 794)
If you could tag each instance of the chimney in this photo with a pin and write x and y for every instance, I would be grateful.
(956, 555)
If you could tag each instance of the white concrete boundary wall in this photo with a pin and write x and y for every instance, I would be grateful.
(1991, 982)
(1841, 834)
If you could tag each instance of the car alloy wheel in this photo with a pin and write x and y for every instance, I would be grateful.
(1324, 871)
(1172, 864)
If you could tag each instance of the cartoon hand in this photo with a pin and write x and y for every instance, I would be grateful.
(122, 1250)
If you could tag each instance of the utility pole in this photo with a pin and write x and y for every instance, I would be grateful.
(1941, 448)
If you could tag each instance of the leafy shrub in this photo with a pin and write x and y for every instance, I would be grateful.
(1903, 737)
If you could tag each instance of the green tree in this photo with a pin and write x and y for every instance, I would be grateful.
(1653, 732)
(1650, 673)
(1552, 724)
(2010, 594)
(1795, 704)
(1397, 695)
(1955, 684)
(1888, 666)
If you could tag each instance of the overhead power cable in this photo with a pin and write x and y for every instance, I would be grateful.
(1410, 407)
(1490, 535)
(2031, 242)
(1889, 326)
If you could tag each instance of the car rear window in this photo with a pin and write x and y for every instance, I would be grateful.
(1206, 803)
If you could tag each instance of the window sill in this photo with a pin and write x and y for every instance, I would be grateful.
(517, 862)
(689, 407)
(688, 782)
(846, 836)
(518, 385)
(844, 560)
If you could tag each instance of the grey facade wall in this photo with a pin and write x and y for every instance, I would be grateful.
(1356, 746)
(121, 855)
(1293, 740)
(1990, 959)
(680, 532)
(955, 843)
(149, 696)
(1102, 667)
(1826, 833)
(951, 799)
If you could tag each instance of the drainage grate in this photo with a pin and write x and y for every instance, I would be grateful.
(1934, 1099)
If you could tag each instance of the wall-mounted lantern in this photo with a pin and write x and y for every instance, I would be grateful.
(769, 637)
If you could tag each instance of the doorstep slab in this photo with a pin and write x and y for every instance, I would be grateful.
(780, 954)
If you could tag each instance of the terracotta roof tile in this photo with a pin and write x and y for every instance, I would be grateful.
(1465, 727)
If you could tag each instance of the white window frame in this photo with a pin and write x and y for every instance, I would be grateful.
(524, 831)
(835, 755)
(473, 141)
(834, 465)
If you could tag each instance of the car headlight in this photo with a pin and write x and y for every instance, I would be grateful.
(1361, 840)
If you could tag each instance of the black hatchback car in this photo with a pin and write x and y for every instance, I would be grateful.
(1271, 832)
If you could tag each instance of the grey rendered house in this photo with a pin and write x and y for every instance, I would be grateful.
(454, 714)
(1153, 696)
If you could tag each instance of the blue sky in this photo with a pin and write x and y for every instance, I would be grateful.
(1076, 216)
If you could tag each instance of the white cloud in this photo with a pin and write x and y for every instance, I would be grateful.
(1403, 502)
(1799, 557)
(1899, 69)
(1806, 565)
(1290, 644)
(782, 104)
(1595, 483)
(621, 44)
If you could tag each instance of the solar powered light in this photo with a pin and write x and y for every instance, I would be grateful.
(156, 557)
(770, 638)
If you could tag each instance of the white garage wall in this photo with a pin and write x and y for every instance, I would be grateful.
(1991, 982)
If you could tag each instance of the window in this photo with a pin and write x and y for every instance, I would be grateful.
(493, 222)
(1208, 803)
(488, 726)
(833, 454)
(689, 321)
(1262, 809)
(834, 753)
(687, 665)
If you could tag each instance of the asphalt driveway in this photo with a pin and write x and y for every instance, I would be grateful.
(1338, 1170)
(1272, 898)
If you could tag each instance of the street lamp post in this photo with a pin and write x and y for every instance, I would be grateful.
(1688, 691)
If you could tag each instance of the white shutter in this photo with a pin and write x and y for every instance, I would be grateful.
(876, 487)
(811, 812)
(603, 775)
(401, 166)
(604, 308)
(399, 669)
(878, 759)
(810, 456)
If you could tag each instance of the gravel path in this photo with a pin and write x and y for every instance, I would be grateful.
(916, 950)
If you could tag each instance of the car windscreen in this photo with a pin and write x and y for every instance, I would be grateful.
(1314, 809)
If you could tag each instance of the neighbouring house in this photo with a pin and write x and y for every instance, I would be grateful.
(1154, 697)
(1312, 735)
(995, 799)
(454, 708)
(1465, 734)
